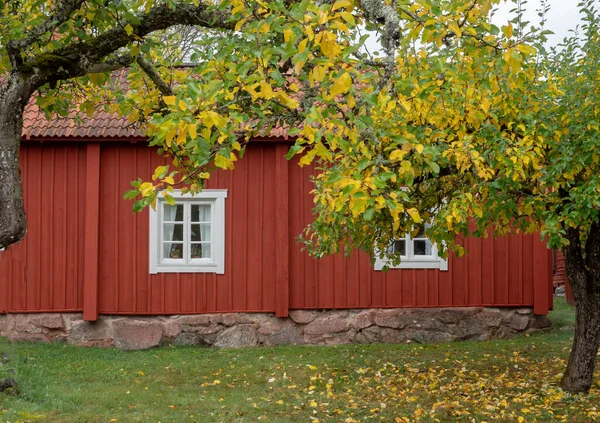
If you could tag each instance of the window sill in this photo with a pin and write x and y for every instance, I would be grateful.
(190, 268)
(433, 263)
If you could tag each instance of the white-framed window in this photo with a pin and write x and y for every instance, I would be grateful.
(189, 236)
(416, 252)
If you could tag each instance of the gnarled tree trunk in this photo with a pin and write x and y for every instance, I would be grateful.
(14, 95)
(583, 270)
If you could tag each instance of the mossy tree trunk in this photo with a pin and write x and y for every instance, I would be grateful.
(583, 270)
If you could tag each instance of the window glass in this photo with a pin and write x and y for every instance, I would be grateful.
(201, 250)
(399, 246)
(172, 250)
(173, 213)
(422, 247)
(200, 213)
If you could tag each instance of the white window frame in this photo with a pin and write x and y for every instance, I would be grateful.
(411, 261)
(216, 264)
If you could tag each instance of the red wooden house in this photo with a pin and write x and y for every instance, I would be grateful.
(230, 258)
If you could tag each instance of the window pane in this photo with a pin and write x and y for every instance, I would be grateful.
(201, 232)
(422, 247)
(172, 251)
(399, 246)
(200, 250)
(173, 232)
(200, 213)
(173, 213)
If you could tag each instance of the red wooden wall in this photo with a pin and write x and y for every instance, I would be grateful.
(45, 272)
(78, 255)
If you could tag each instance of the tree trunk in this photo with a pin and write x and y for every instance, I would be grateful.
(14, 95)
(583, 271)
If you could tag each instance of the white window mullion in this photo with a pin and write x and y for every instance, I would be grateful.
(186, 232)
(409, 247)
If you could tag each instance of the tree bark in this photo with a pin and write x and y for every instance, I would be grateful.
(583, 271)
(13, 96)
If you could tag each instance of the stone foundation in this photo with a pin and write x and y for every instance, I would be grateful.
(303, 327)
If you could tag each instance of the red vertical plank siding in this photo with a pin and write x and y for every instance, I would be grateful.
(108, 256)
(500, 271)
(5, 278)
(91, 237)
(37, 274)
(515, 292)
(264, 215)
(27, 299)
(125, 225)
(239, 259)
(43, 299)
(255, 230)
(474, 277)
(71, 216)
(282, 227)
(542, 268)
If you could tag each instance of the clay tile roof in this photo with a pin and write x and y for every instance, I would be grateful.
(101, 125)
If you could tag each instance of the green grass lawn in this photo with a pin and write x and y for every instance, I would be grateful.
(468, 381)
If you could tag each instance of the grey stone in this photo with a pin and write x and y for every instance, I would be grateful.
(432, 336)
(232, 319)
(472, 328)
(303, 316)
(90, 334)
(47, 320)
(3, 324)
(518, 322)
(171, 328)
(390, 318)
(338, 338)
(190, 339)
(288, 335)
(447, 316)
(504, 333)
(131, 334)
(326, 325)
(268, 325)
(540, 322)
(194, 320)
(237, 337)
(387, 335)
(361, 320)
(560, 291)
(203, 330)
(492, 317)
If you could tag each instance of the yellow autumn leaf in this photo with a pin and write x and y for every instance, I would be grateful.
(147, 189)
(341, 85)
(397, 155)
(169, 100)
(192, 131)
(287, 101)
(414, 214)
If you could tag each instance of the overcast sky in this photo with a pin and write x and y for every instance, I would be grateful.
(562, 17)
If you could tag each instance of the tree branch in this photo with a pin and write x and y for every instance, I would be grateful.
(111, 65)
(61, 14)
(77, 59)
(149, 70)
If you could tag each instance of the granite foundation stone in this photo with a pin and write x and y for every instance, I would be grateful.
(302, 327)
